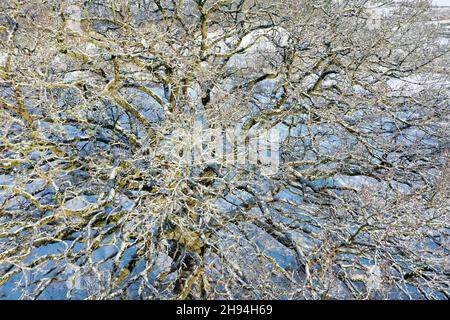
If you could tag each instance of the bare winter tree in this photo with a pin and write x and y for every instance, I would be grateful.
(109, 186)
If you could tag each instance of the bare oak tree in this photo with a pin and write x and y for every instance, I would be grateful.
(99, 197)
